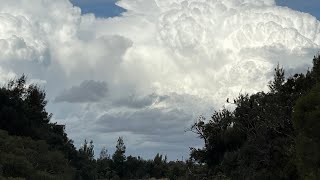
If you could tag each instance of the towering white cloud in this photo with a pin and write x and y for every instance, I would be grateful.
(165, 61)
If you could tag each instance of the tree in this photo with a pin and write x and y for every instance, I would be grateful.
(307, 125)
(257, 139)
(22, 157)
(119, 154)
(159, 167)
(32, 147)
(119, 157)
(279, 79)
(316, 68)
(86, 163)
(87, 150)
(104, 154)
(23, 113)
(104, 163)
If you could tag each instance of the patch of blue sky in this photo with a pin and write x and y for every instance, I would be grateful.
(108, 8)
(309, 6)
(100, 8)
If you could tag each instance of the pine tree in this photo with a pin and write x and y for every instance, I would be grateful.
(119, 157)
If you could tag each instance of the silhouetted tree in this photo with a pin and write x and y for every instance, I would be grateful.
(307, 125)
(119, 157)
(257, 139)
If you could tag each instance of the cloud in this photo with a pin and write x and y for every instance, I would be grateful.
(87, 91)
(145, 122)
(6, 76)
(166, 61)
(134, 101)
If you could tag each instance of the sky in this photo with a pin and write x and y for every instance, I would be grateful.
(148, 73)
(108, 8)
(309, 6)
(100, 8)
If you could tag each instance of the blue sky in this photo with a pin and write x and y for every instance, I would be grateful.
(101, 8)
(309, 6)
(107, 8)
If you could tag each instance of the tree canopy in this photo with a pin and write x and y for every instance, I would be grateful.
(269, 135)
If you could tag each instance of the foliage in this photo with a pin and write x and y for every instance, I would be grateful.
(22, 157)
(31, 147)
(307, 125)
(23, 113)
(257, 139)
(86, 164)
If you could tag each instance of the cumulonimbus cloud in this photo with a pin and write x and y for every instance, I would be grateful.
(195, 53)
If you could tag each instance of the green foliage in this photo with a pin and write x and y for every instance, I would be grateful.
(136, 167)
(31, 147)
(257, 139)
(119, 154)
(23, 113)
(22, 157)
(120, 166)
(119, 158)
(87, 150)
(316, 68)
(307, 125)
(159, 167)
(279, 79)
(86, 164)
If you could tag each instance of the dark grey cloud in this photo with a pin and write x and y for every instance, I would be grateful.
(152, 122)
(135, 101)
(160, 130)
(87, 91)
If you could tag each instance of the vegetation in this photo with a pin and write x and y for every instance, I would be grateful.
(268, 135)
(31, 147)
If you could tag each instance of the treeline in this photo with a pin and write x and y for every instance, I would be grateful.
(273, 135)
(118, 166)
(33, 148)
(268, 135)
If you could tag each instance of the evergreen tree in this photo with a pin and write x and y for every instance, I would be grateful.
(22, 157)
(307, 125)
(86, 163)
(119, 157)
(257, 139)
(278, 81)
